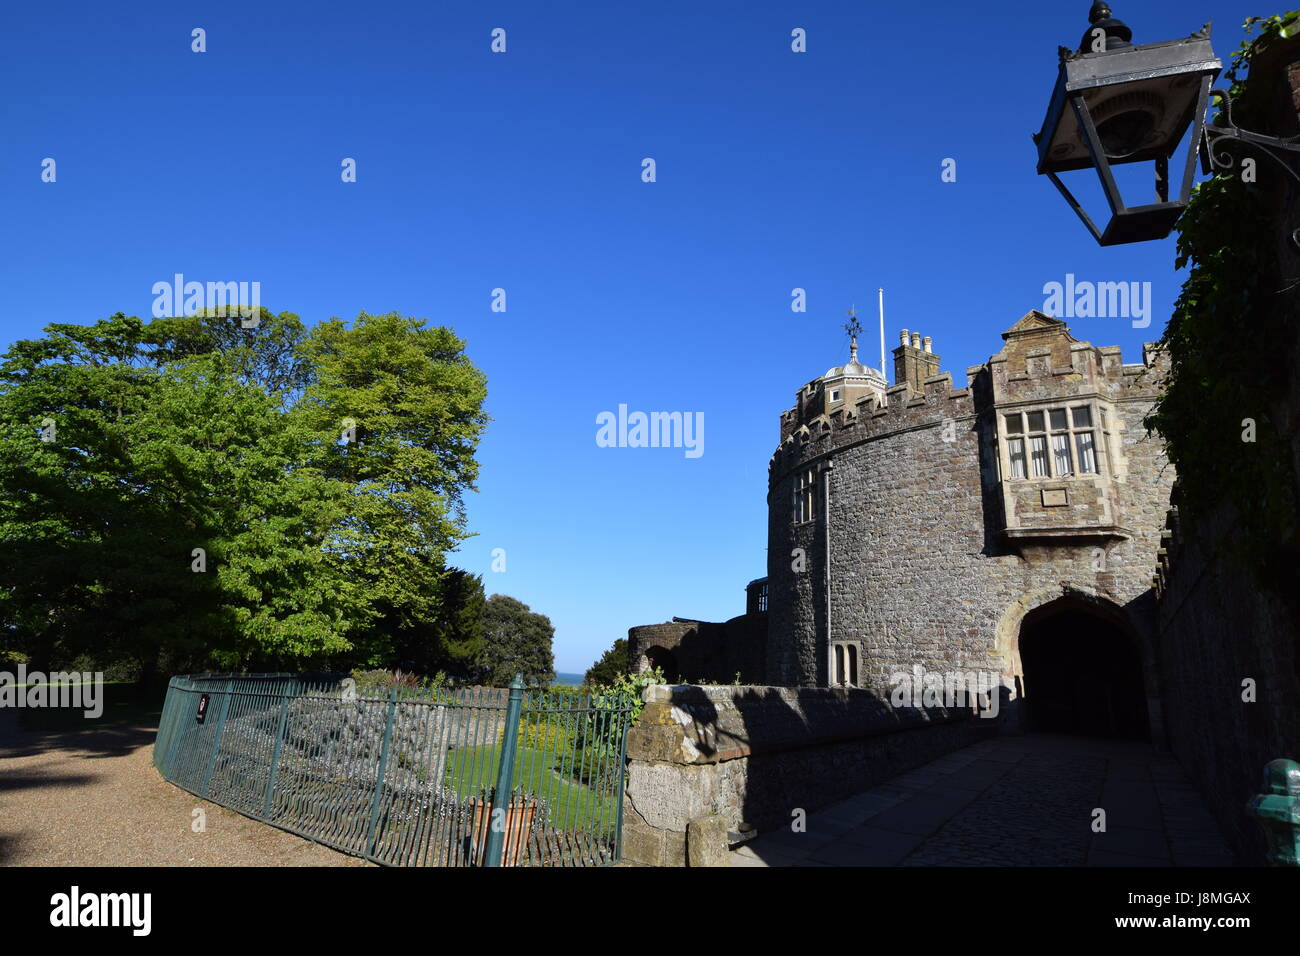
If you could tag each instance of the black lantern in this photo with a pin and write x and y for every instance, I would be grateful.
(1117, 103)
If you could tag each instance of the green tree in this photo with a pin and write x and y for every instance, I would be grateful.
(515, 641)
(178, 489)
(453, 641)
(398, 411)
(269, 354)
(612, 665)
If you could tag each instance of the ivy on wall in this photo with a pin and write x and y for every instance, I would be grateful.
(1223, 341)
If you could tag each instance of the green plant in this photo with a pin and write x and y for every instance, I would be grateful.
(544, 731)
(381, 681)
(1218, 378)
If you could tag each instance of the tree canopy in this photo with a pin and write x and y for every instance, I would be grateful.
(195, 493)
(515, 641)
(612, 665)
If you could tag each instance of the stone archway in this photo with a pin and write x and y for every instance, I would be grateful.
(1082, 673)
(1040, 605)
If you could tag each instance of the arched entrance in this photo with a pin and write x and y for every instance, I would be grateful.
(1082, 673)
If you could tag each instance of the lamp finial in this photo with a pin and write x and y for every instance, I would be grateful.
(1106, 33)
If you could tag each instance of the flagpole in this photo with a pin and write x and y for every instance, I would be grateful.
(883, 373)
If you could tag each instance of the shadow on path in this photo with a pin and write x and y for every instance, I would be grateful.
(1035, 800)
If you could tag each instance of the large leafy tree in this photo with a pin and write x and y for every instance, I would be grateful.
(402, 407)
(515, 641)
(176, 488)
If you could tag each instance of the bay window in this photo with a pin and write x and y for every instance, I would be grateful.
(1060, 442)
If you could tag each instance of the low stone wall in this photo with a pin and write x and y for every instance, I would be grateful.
(755, 754)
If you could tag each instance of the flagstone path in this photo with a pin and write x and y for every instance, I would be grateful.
(1013, 801)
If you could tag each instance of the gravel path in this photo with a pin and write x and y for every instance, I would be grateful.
(93, 798)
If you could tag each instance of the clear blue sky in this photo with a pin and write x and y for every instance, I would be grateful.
(522, 170)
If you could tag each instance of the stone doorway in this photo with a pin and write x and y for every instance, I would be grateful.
(1082, 674)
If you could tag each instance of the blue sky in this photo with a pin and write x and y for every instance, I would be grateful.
(523, 171)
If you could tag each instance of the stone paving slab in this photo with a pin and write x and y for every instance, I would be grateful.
(1013, 801)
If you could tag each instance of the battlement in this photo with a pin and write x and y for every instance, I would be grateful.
(899, 408)
(1040, 362)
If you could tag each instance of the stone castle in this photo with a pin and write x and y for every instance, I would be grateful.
(1009, 526)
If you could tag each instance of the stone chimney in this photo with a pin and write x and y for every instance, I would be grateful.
(914, 361)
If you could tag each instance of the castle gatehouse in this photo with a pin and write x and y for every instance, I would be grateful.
(1008, 526)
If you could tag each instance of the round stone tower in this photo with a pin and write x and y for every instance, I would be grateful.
(922, 526)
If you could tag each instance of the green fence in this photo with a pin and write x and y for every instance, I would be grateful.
(407, 777)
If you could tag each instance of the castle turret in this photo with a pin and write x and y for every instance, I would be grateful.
(839, 390)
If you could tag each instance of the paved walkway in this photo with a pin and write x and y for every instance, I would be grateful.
(1013, 801)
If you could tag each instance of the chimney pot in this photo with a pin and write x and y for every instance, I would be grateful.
(916, 340)
(902, 338)
(927, 340)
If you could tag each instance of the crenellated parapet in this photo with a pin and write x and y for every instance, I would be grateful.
(1040, 364)
(898, 409)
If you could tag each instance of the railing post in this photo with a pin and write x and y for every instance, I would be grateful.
(174, 742)
(505, 771)
(1278, 811)
(275, 754)
(216, 736)
(371, 836)
(620, 768)
(162, 741)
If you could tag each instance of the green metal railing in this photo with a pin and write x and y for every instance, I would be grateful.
(403, 776)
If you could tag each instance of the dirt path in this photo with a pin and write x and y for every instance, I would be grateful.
(93, 798)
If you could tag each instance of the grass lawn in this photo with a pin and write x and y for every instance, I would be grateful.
(573, 805)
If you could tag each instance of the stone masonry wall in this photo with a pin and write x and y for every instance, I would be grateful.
(755, 754)
(1217, 628)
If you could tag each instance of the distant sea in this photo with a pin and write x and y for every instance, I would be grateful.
(568, 680)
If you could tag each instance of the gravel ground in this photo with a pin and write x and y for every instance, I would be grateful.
(93, 798)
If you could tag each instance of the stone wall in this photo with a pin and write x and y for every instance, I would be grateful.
(1217, 628)
(733, 651)
(756, 754)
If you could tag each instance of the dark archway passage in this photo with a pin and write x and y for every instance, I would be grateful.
(663, 658)
(1082, 675)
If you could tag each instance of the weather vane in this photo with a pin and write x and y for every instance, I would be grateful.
(853, 326)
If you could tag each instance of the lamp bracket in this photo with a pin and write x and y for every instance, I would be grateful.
(1228, 133)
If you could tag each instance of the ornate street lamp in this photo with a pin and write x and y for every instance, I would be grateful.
(1117, 103)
